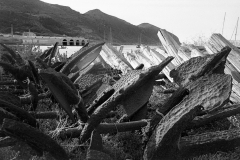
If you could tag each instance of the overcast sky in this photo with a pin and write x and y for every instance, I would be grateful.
(187, 19)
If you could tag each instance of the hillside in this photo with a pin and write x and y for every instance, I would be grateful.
(55, 20)
(155, 29)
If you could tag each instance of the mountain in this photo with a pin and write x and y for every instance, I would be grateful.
(122, 30)
(56, 20)
(155, 29)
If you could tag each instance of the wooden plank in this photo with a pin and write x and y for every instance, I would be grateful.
(34, 138)
(232, 67)
(115, 59)
(170, 46)
(210, 142)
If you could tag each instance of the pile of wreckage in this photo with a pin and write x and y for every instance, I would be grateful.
(151, 57)
(89, 88)
(212, 75)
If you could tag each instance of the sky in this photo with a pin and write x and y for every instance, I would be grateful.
(190, 20)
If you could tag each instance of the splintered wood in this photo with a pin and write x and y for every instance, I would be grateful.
(232, 67)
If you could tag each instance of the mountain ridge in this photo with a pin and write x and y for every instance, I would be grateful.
(55, 20)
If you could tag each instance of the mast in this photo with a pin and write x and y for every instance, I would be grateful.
(110, 36)
(104, 33)
(12, 30)
(223, 22)
(236, 30)
(104, 36)
(140, 39)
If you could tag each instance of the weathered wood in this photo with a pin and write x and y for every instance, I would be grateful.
(141, 113)
(9, 97)
(198, 66)
(118, 54)
(96, 141)
(23, 73)
(41, 63)
(82, 112)
(19, 112)
(96, 150)
(115, 59)
(195, 52)
(45, 115)
(235, 95)
(12, 91)
(20, 73)
(82, 58)
(8, 58)
(35, 74)
(215, 44)
(97, 155)
(144, 59)
(132, 59)
(105, 128)
(112, 114)
(161, 56)
(210, 91)
(147, 52)
(29, 98)
(7, 141)
(168, 91)
(6, 114)
(46, 53)
(171, 102)
(139, 67)
(53, 53)
(101, 99)
(132, 91)
(34, 138)
(218, 115)
(88, 80)
(209, 142)
(203, 92)
(34, 93)
(13, 82)
(14, 55)
(184, 53)
(165, 138)
(2, 133)
(59, 67)
(170, 45)
(160, 76)
(74, 76)
(62, 89)
(219, 42)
